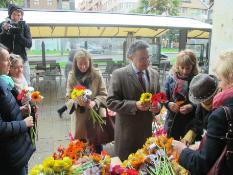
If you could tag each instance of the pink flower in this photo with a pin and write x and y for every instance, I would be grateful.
(117, 169)
(160, 131)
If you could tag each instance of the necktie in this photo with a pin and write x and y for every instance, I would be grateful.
(141, 80)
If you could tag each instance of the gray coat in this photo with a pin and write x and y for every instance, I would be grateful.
(132, 127)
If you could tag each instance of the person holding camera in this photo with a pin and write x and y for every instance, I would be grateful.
(16, 36)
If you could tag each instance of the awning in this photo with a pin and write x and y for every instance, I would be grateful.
(60, 24)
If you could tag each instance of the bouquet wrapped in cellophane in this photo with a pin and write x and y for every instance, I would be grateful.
(82, 95)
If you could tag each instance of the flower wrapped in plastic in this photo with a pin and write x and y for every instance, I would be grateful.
(82, 95)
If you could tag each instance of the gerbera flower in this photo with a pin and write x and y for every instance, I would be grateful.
(76, 93)
(36, 97)
(145, 98)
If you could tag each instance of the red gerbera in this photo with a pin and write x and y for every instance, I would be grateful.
(80, 87)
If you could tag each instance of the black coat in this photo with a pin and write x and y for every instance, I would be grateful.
(199, 162)
(17, 43)
(15, 144)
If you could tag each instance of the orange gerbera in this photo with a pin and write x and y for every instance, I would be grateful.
(36, 97)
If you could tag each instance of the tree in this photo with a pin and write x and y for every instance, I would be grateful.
(158, 7)
(5, 3)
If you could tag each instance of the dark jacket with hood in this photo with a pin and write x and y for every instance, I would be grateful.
(15, 144)
(19, 41)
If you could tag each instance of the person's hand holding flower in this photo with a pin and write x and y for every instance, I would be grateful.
(186, 109)
(174, 107)
(178, 146)
(91, 104)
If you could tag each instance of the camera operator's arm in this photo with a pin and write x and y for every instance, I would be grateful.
(3, 36)
(25, 38)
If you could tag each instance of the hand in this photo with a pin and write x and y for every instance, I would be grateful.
(91, 104)
(173, 107)
(195, 146)
(29, 121)
(6, 26)
(80, 101)
(25, 109)
(178, 146)
(36, 112)
(142, 107)
(155, 109)
(186, 109)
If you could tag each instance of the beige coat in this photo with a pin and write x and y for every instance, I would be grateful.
(79, 121)
(132, 127)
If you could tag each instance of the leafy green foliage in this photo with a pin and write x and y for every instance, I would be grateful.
(5, 3)
(158, 7)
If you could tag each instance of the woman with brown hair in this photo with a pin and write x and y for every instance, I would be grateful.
(83, 73)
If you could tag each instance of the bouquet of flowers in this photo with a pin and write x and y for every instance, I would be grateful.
(156, 157)
(53, 166)
(77, 158)
(26, 96)
(82, 95)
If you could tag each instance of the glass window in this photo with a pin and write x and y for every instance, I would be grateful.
(36, 2)
(50, 2)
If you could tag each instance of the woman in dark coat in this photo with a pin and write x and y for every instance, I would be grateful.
(203, 110)
(15, 144)
(200, 161)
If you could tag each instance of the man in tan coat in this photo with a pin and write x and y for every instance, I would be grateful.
(133, 120)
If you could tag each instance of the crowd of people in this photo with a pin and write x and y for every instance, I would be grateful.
(196, 103)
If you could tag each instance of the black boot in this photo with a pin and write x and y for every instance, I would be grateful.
(61, 111)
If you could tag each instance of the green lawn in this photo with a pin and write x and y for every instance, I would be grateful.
(48, 52)
(170, 50)
(58, 53)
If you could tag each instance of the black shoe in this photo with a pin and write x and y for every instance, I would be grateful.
(61, 111)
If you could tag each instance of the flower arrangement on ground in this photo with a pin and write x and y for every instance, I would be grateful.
(77, 159)
(156, 157)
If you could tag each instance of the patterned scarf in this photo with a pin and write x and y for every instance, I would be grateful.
(181, 89)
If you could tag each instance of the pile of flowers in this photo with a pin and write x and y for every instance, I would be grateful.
(78, 158)
(93, 164)
(53, 166)
(75, 150)
(156, 157)
(81, 93)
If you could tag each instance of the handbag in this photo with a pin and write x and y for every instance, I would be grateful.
(102, 135)
(223, 164)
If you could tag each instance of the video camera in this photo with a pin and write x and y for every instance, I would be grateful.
(15, 27)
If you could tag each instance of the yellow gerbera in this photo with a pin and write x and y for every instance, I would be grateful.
(145, 98)
(76, 93)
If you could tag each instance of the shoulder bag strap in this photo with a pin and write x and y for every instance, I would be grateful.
(229, 134)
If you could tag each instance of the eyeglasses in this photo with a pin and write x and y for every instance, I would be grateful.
(142, 59)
